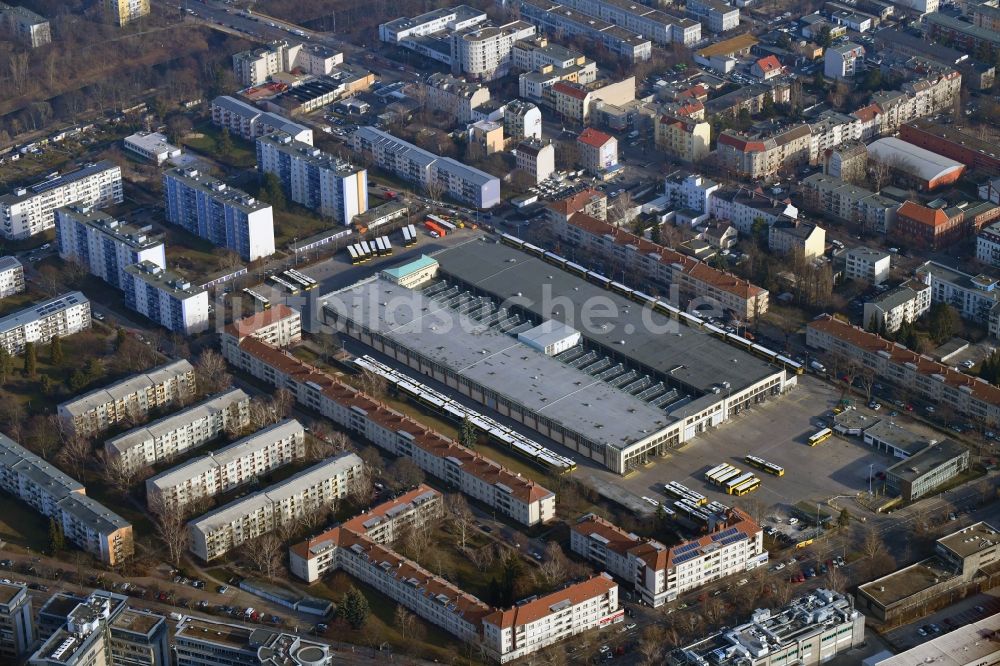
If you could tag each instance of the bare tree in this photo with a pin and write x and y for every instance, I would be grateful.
(460, 515)
(622, 211)
(119, 475)
(325, 443)
(281, 403)
(211, 373)
(866, 376)
(404, 474)
(835, 580)
(434, 189)
(873, 544)
(263, 554)
(417, 540)
(554, 567)
(372, 384)
(171, 529)
(359, 492)
(74, 455)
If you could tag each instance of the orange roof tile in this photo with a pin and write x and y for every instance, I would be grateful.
(570, 90)
(931, 217)
(592, 137)
(576, 202)
(249, 325)
(535, 610)
(768, 64)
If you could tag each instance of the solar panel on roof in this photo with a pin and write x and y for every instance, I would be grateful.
(732, 539)
(722, 535)
(684, 558)
(687, 547)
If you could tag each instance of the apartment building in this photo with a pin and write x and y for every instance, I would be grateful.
(238, 464)
(537, 85)
(528, 55)
(85, 522)
(11, 277)
(314, 489)
(575, 102)
(535, 158)
(658, 26)
(903, 304)
(843, 61)
(332, 187)
(484, 52)
(660, 574)
(17, 628)
(933, 228)
(172, 435)
(743, 207)
(225, 216)
(166, 298)
(664, 267)
(104, 245)
(987, 245)
(31, 210)
(554, 18)
(456, 18)
(809, 631)
(202, 642)
(63, 315)
(590, 201)
(455, 97)
(926, 379)
(480, 478)
(151, 146)
(766, 68)
(796, 237)
(597, 152)
(757, 156)
(256, 66)
(867, 264)
(750, 98)
(384, 524)
(715, 15)
(169, 384)
(407, 161)
(531, 626)
(847, 162)
(248, 122)
(280, 326)
(974, 296)
(522, 120)
(962, 35)
(123, 12)
(25, 26)
(834, 197)
(690, 194)
(682, 136)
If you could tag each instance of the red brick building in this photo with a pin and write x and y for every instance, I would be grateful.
(931, 228)
(953, 143)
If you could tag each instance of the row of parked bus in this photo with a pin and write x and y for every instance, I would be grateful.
(409, 235)
(454, 411)
(293, 281)
(732, 479)
(264, 303)
(764, 465)
(660, 306)
(363, 251)
(679, 491)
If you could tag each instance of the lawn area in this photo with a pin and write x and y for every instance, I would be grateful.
(21, 525)
(190, 255)
(205, 140)
(11, 304)
(296, 222)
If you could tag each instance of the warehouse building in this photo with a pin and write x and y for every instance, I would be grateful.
(923, 168)
(927, 469)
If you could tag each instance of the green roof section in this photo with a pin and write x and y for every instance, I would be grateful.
(400, 272)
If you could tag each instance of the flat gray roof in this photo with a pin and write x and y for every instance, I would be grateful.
(897, 436)
(119, 390)
(42, 310)
(539, 383)
(927, 460)
(689, 357)
(9, 263)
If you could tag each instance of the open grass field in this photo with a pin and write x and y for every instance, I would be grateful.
(206, 138)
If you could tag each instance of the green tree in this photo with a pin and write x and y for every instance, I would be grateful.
(353, 608)
(873, 79)
(225, 146)
(760, 232)
(6, 365)
(120, 337)
(30, 359)
(77, 380)
(654, 234)
(47, 386)
(767, 108)
(825, 38)
(844, 519)
(942, 322)
(55, 350)
(272, 192)
(467, 435)
(57, 539)
(93, 369)
(989, 369)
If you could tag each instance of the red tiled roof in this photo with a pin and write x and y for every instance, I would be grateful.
(768, 64)
(535, 610)
(249, 325)
(565, 88)
(576, 202)
(931, 217)
(867, 113)
(593, 137)
(741, 144)
(690, 108)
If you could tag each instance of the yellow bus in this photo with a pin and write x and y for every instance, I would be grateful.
(820, 437)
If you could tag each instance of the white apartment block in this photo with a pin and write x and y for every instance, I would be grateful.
(317, 180)
(151, 146)
(313, 558)
(85, 522)
(904, 304)
(165, 298)
(63, 315)
(484, 52)
(29, 211)
(256, 66)
(934, 382)
(279, 326)
(322, 485)
(987, 245)
(172, 435)
(650, 23)
(660, 574)
(464, 183)
(453, 96)
(232, 466)
(619, 39)
(842, 61)
(976, 297)
(104, 245)
(823, 193)
(716, 15)
(25, 26)
(529, 55)
(225, 216)
(690, 192)
(868, 264)
(132, 398)
(11, 277)
(203, 642)
(536, 159)
(529, 627)
(522, 120)
(480, 478)
(453, 19)
(248, 122)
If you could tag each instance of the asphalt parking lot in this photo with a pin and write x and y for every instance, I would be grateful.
(958, 614)
(777, 432)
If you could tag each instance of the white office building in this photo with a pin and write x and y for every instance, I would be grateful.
(484, 52)
(256, 66)
(868, 264)
(169, 300)
(11, 277)
(690, 195)
(151, 146)
(843, 61)
(31, 210)
(202, 642)
(248, 122)
(317, 180)
(104, 245)
(63, 315)
(235, 465)
(131, 398)
(225, 216)
(314, 489)
(172, 435)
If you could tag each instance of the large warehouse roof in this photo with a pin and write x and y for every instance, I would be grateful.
(925, 165)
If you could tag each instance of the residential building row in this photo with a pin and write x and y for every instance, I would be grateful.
(11, 277)
(230, 467)
(659, 574)
(278, 326)
(130, 399)
(556, 19)
(225, 216)
(834, 197)
(893, 363)
(332, 187)
(652, 24)
(475, 476)
(464, 183)
(683, 136)
(166, 298)
(715, 15)
(975, 297)
(85, 522)
(63, 315)
(902, 305)
(25, 26)
(248, 122)
(190, 428)
(316, 488)
(31, 210)
(105, 246)
(256, 66)
(151, 146)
